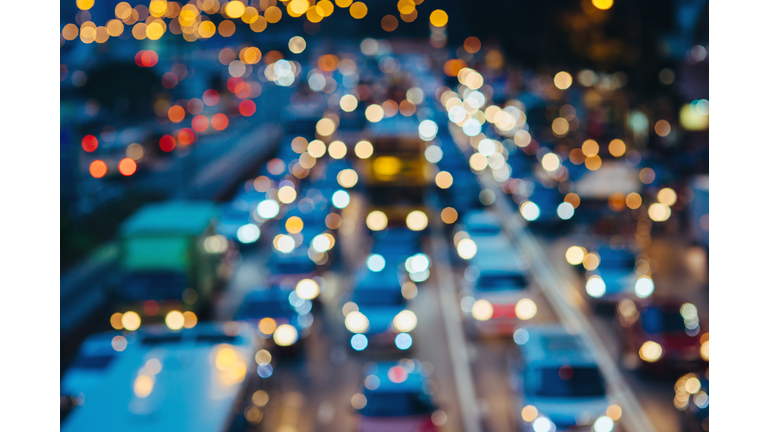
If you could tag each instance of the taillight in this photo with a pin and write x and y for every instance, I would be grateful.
(498, 311)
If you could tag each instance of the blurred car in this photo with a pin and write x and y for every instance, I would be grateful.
(286, 269)
(237, 225)
(499, 292)
(559, 384)
(548, 201)
(615, 278)
(663, 336)
(376, 315)
(692, 398)
(485, 229)
(152, 378)
(395, 400)
(281, 318)
(396, 245)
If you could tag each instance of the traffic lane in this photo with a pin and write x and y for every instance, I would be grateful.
(490, 363)
(655, 395)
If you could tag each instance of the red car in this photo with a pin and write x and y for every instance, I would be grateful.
(663, 335)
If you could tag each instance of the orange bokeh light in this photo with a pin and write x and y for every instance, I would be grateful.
(176, 113)
(98, 169)
(219, 121)
(127, 166)
(186, 136)
(328, 63)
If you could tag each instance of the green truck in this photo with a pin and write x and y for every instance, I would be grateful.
(169, 258)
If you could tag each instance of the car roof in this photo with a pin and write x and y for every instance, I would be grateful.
(492, 261)
(552, 345)
(481, 218)
(177, 217)
(389, 278)
(179, 398)
(274, 294)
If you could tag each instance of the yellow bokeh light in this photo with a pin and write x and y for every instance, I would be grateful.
(374, 113)
(326, 7)
(650, 351)
(297, 45)
(364, 149)
(347, 178)
(116, 321)
(155, 31)
(190, 319)
(70, 32)
(267, 326)
(563, 80)
(358, 10)
(158, 8)
(174, 320)
(376, 220)
(659, 212)
(206, 29)
(602, 4)
(84, 4)
(235, 9)
(449, 215)
(590, 148)
(617, 148)
(348, 103)
(591, 261)
(316, 149)
(416, 220)
(286, 194)
(443, 179)
(525, 309)
(294, 225)
(325, 127)
(560, 126)
(114, 27)
(337, 150)
(550, 162)
(593, 163)
(438, 18)
(131, 320)
(143, 385)
(667, 196)
(575, 255)
(343, 3)
(634, 200)
(273, 14)
(613, 412)
(529, 413)
(296, 8)
(482, 310)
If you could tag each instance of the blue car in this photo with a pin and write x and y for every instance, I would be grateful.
(397, 397)
(615, 278)
(376, 315)
(280, 316)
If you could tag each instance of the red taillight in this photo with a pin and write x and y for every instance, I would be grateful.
(509, 310)
(498, 311)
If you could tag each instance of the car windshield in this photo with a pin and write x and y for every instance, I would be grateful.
(259, 309)
(617, 260)
(484, 230)
(566, 381)
(377, 297)
(396, 404)
(500, 281)
(291, 266)
(657, 320)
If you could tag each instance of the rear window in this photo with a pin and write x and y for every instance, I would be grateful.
(378, 297)
(657, 320)
(485, 230)
(215, 339)
(500, 281)
(161, 340)
(93, 362)
(567, 381)
(396, 404)
(265, 309)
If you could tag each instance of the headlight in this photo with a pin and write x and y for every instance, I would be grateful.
(595, 286)
(482, 310)
(285, 335)
(704, 350)
(603, 424)
(542, 424)
(356, 322)
(405, 321)
(644, 287)
(650, 351)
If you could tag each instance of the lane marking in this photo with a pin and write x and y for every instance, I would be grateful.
(454, 332)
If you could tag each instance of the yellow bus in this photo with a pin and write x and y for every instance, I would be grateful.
(397, 173)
